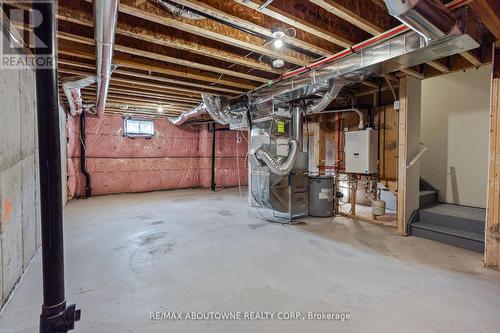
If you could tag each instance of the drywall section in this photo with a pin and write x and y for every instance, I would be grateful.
(175, 157)
(19, 194)
(455, 127)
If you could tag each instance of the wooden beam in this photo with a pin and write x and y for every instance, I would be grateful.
(115, 95)
(151, 77)
(488, 11)
(161, 70)
(492, 228)
(212, 30)
(173, 88)
(439, 66)
(471, 58)
(161, 57)
(135, 83)
(298, 23)
(126, 29)
(413, 73)
(245, 24)
(350, 15)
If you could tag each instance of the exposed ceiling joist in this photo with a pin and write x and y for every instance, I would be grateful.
(162, 70)
(233, 38)
(244, 24)
(350, 15)
(161, 57)
(129, 30)
(488, 11)
(151, 77)
(298, 23)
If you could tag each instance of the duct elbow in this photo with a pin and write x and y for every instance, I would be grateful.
(72, 91)
(329, 96)
(280, 169)
(186, 115)
(429, 18)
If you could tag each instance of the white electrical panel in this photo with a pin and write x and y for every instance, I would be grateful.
(361, 151)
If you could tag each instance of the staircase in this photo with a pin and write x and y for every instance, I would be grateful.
(457, 225)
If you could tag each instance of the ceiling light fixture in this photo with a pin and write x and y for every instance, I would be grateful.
(278, 34)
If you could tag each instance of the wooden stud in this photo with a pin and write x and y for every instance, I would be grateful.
(492, 228)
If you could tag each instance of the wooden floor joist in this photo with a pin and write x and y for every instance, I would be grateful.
(126, 29)
(230, 36)
(168, 59)
(161, 70)
(245, 24)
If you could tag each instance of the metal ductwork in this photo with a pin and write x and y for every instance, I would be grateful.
(105, 18)
(72, 90)
(388, 52)
(186, 115)
(427, 17)
(329, 96)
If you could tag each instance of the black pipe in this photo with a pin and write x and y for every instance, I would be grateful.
(212, 180)
(214, 130)
(83, 152)
(55, 316)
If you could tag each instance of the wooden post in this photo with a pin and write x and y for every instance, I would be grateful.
(492, 228)
(408, 148)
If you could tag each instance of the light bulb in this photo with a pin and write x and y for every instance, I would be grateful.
(278, 43)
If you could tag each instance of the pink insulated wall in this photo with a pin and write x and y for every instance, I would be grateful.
(176, 157)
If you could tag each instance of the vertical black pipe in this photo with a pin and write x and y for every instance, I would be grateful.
(83, 163)
(212, 183)
(55, 316)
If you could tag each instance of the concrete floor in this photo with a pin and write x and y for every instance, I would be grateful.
(193, 250)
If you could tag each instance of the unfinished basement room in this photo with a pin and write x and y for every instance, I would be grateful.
(249, 166)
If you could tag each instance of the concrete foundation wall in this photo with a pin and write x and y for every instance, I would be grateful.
(19, 194)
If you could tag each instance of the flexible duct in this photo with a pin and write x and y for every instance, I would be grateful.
(72, 90)
(281, 169)
(329, 96)
(219, 109)
(178, 11)
(186, 115)
(105, 18)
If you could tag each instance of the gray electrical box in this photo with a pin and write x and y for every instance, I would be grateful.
(361, 151)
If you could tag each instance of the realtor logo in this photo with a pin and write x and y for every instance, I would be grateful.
(20, 47)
